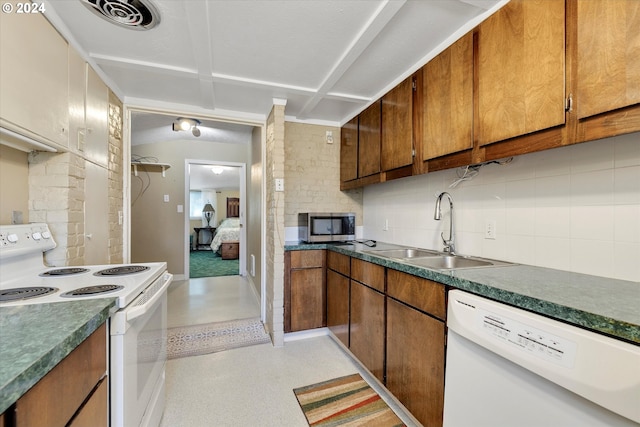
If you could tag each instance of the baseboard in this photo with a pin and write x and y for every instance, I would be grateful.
(303, 335)
(255, 292)
(178, 277)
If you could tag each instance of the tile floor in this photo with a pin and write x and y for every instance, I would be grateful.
(250, 386)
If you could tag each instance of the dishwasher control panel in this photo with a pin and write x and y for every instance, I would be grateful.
(537, 342)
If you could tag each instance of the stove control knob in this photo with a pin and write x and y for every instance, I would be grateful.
(12, 238)
(37, 235)
(46, 235)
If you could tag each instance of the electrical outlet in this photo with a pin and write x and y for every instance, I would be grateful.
(166, 198)
(490, 229)
(385, 226)
(329, 137)
(279, 184)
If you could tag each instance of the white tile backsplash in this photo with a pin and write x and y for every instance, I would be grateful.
(573, 208)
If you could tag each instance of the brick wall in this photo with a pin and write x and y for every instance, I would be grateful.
(56, 196)
(275, 203)
(312, 174)
(116, 182)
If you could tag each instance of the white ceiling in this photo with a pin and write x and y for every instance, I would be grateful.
(149, 128)
(229, 59)
(202, 178)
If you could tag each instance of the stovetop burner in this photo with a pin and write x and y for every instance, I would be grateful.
(122, 270)
(92, 290)
(64, 271)
(16, 294)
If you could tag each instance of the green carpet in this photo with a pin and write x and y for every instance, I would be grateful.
(210, 264)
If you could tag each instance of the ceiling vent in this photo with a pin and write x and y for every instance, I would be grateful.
(132, 14)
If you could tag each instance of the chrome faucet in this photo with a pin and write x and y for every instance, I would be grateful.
(449, 245)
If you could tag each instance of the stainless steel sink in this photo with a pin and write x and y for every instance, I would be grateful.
(455, 262)
(403, 253)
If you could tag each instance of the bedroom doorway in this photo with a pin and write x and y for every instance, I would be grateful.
(215, 200)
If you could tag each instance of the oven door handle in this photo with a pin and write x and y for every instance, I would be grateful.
(148, 301)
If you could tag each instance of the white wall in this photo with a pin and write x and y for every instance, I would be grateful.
(573, 208)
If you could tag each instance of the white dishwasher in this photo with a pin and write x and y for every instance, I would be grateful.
(508, 367)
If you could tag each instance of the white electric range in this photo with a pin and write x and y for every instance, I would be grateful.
(138, 328)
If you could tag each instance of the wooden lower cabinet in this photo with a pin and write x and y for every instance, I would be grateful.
(415, 361)
(367, 328)
(305, 294)
(338, 305)
(77, 384)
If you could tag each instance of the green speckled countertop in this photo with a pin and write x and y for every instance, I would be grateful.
(35, 337)
(600, 304)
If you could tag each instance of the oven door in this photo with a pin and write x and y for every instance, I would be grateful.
(138, 357)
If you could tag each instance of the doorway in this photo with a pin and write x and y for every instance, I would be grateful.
(215, 228)
(161, 200)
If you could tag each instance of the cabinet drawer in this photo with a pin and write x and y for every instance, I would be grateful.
(57, 396)
(95, 412)
(307, 259)
(368, 273)
(339, 262)
(417, 292)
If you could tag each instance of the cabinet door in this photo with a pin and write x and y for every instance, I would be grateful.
(349, 150)
(308, 303)
(608, 55)
(521, 70)
(367, 328)
(448, 100)
(415, 361)
(369, 141)
(338, 305)
(33, 77)
(96, 137)
(397, 126)
(96, 223)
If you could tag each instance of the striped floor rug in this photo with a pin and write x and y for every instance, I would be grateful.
(345, 401)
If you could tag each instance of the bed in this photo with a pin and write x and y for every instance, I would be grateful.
(227, 231)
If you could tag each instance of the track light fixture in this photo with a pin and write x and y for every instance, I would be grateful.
(184, 124)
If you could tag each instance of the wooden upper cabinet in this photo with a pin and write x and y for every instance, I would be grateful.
(349, 150)
(521, 70)
(608, 46)
(397, 126)
(369, 141)
(447, 92)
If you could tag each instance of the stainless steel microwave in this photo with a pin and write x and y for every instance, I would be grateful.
(326, 227)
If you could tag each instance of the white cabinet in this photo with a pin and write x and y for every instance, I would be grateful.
(88, 111)
(96, 119)
(33, 78)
